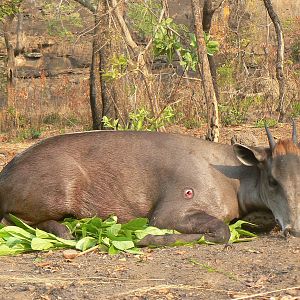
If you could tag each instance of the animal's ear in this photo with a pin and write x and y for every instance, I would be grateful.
(249, 156)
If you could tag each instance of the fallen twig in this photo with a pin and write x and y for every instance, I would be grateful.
(267, 293)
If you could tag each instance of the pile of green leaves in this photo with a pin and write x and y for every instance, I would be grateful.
(23, 238)
(107, 236)
(111, 236)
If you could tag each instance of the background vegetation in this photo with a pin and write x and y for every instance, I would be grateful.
(53, 46)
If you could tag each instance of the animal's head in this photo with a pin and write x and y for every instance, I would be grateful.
(279, 182)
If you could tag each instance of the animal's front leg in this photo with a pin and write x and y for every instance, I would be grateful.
(56, 228)
(195, 224)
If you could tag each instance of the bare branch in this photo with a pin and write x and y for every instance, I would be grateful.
(131, 43)
(280, 57)
(87, 4)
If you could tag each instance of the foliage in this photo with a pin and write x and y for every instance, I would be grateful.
(296, 109)
(192, 123)
(111, 236)
(238, 234)
(118, 66)
(23, 238)
(212, 46)
(21, 122)
(62, 17)
(142, 120)
(231, 115)
(143, 17)
(260, 123)
(169, 38)
(9, 8)
(295, 51)
(165, 43)
(234, 113)
(55, 118)
(29, 133)
(108, 236)
(225, 74)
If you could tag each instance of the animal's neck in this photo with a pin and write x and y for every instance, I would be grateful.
(249, 193)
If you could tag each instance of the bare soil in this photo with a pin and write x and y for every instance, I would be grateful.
(266, 268)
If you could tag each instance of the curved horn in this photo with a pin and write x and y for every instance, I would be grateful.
(294, 134)
(271, 140)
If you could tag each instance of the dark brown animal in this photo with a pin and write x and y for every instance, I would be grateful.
(178, 182)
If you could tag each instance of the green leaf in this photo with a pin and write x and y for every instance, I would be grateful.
(13, 241)
(140, 234)
(17, 232)
(106, 241)
(41, 244)
(123, 245)
(112, 250)
(136, 224)
(86, 243)
(21, 224)
(134, 251)
(243, 232)
(110, 221)
(238, 234)
(5, 250)
(114, 229)
(239, 223)
(69, 243)
(203, 241)
(43, 234)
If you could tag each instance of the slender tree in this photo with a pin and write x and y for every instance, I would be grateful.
(206, 76)
(8, 10)
(99, 100)
(209, 8)
(280, 57)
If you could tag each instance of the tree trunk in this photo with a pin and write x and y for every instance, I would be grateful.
(10, 58)
(95, 80)
(20, 35)
(206, 77)
(104, 51)
(99, 99)
(209, 9)
(280, 57)
(139, 58)
(93, 89)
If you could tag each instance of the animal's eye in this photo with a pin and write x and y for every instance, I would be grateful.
(188, 193)
(273, 182)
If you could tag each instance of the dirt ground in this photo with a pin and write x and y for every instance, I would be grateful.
(266, 268)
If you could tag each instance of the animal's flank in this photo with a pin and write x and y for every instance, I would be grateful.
(284, 147)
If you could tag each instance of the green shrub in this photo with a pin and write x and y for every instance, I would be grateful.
(231, 115)
(296, 109)
(52, 119)
(260, 123)
(141, 120)
(29, 133)
(225, 75)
